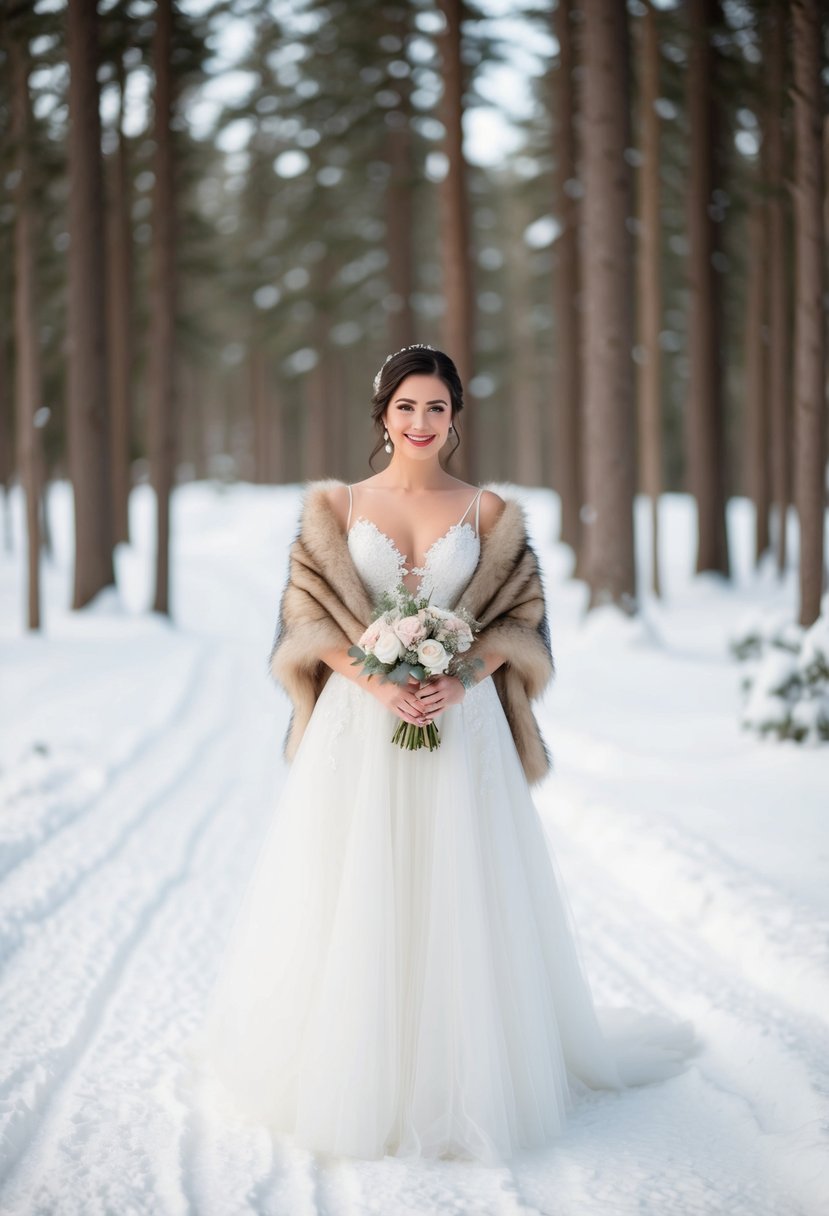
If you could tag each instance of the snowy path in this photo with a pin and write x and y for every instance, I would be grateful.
(137, 768)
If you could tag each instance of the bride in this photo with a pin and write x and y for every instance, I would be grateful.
(402, 977)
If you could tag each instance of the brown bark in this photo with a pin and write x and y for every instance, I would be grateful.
(337, 411)
(778, 286)
(704, 431)
(260, 404)
(315, 445)
(650, 287)
(88, 405)
(524, 417)
(609, 415)
(121, 319)
(826, 177)
(400, 201)
(162, 388)
(6, 398)
(566, 463)
(6, 407)
(277, 434)
(809, 328)
(456, 252)
(755, 397)
(27, 363)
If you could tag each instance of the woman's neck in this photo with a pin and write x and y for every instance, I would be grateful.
(415, 478)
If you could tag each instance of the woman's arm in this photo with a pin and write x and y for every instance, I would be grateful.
(492, 505)
(401, 699)
(341, 661)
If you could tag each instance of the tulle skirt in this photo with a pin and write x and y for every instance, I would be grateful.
(402, 976)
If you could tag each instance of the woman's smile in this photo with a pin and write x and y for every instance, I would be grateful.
(420, 441)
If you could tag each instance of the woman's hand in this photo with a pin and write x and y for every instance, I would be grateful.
(401, 699)
(439, 692)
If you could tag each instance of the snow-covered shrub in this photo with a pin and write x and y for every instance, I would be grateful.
(786, 683)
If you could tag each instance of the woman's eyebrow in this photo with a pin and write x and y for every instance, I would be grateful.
(411, 401)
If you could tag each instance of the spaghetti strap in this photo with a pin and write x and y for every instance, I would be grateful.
(350, 504)
(466, 512)
(478, 513)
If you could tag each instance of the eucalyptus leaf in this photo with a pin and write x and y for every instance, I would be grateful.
(400, 674)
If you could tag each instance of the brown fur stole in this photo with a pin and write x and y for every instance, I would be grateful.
(325, 604)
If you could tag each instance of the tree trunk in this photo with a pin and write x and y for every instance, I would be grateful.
(524, 416)
(27, 363)
(278, 446)
(458, 322)
(755, 397)
(608, 327)
(567, 463)
(705, 439)
(400, 199)
(260, 405)
(6, 407)
(315, 464)
(121, 320)
(650, 287)
(809, 327)
(778, 286)
(162, 394)
(88, 406)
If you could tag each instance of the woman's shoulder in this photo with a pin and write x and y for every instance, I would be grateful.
(492, 505)
(337, 495)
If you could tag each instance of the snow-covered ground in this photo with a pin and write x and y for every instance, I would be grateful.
(140, 761)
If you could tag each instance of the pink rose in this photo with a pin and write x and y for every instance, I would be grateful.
(371, 634)
(410, 629)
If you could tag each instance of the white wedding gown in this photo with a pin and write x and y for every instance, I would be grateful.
(402, 976)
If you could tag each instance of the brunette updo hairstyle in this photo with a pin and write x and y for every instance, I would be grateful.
(417, 360)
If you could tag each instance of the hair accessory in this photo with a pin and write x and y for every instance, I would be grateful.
(414, 346)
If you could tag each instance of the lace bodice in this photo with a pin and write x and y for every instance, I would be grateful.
(448, 566)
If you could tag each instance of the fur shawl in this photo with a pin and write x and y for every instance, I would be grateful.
(325, 604)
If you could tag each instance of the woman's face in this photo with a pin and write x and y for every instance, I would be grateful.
(420, 408)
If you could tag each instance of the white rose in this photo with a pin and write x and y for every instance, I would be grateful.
(388, 647)
(433, 655)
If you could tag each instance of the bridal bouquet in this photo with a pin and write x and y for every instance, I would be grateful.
(410, 636)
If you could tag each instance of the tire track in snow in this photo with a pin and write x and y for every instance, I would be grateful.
(37, 827)
(784, 1127)
(150, 1143)
(108, 915)
(776, 942)
(49, 878)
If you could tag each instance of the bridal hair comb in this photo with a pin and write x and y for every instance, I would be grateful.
(414, 346)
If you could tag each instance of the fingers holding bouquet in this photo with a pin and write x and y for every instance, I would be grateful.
(439, 692)
(403, 700)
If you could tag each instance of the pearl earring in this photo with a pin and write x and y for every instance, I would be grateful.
(388, 442)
